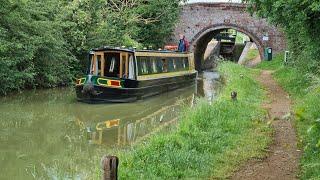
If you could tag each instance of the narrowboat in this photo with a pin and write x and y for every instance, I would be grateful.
(127, 75)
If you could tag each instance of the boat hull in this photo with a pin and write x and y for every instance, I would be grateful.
(139, 90)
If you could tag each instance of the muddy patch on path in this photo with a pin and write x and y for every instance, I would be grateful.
(282, 160)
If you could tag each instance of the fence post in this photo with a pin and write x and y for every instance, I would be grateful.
(110, 167)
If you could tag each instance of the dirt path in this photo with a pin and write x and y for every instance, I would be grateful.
(282, 161)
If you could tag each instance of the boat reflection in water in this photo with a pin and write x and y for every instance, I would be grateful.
(209, 83)
(122, 124)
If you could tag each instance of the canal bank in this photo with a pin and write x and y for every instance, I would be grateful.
(303, 88)
(211, 140)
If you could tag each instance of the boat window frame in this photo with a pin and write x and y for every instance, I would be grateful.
(91, 68)
(168, 64)
(133, 74)
(183, 62)
(165, 64)
(95, 67)
(124, 65)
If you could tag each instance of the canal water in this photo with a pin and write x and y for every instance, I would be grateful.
(48, 134)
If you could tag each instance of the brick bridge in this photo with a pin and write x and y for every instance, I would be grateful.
(200, 22)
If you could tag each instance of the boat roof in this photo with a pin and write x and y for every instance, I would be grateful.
(107, 48)
(132, 50)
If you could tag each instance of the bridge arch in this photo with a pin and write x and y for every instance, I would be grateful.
(199, 22)
(201, 39)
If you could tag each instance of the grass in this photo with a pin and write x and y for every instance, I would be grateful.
(252, 53)
(211, 141)
(274, 64)
(304, 89)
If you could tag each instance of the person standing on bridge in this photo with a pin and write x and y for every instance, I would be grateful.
(183, 44)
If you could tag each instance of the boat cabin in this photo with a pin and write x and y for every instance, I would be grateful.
(136, 74)
(117, 64)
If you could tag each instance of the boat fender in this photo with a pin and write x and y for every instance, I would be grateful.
(88, 88)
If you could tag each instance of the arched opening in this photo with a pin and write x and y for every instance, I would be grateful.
(201, 40)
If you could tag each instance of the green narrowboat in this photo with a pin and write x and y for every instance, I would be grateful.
(127, 75)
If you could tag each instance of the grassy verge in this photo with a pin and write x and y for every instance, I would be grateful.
(211, 141)
(252, 53)
(274, 64)
(304, 89)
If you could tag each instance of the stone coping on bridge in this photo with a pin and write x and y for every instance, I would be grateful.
(222, 5)
(200, 21)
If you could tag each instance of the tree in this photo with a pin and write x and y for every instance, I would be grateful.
(301, 24)
(45, 43)
(32, 52)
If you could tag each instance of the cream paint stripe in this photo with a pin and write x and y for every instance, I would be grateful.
(159, 54)
(164, 75)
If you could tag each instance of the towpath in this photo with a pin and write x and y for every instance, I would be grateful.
(281, 162)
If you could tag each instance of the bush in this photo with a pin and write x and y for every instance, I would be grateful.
(32, 51)
(301, 25)
(45, 43)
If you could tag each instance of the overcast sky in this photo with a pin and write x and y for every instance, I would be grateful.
(193, 1)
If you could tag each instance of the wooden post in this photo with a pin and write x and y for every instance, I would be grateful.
(110, 167)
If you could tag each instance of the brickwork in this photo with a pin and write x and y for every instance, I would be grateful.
(199, 22)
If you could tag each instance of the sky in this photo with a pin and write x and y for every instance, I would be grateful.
(193, 1)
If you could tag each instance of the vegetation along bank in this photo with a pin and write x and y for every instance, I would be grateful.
(300, 77)
(45, 43)
(210, 140)
(304, 90)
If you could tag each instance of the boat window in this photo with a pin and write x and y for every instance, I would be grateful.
(131, 68)
(164, 65)
(95, 67)
(182, 63)
(171, 65)
(142, 65)
(159, 65)
(91, 71)
(177, 64)
(111, 67)
(154, 65)
(186, 63)
(123, 68)
(139, 64)
(148, 66)
(98, 65)
(112, 64)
